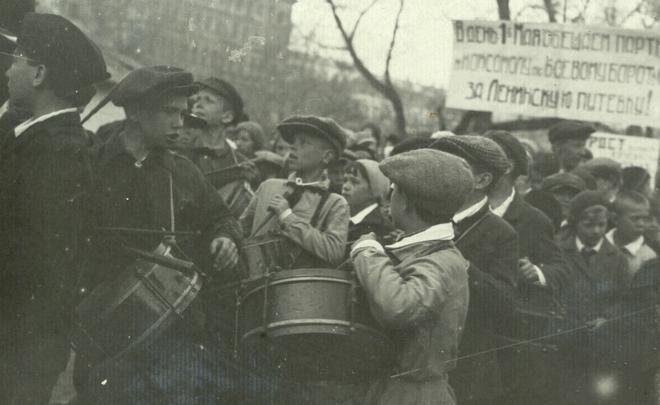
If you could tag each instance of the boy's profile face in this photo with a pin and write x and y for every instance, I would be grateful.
(356, 190)
(592, 225)
(633, 219)
(308, 152)
(162, 125)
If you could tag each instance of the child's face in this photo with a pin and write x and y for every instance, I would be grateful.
(356, 190)
(592, 225)
(307, 153)
(633, 219)
(244, 143)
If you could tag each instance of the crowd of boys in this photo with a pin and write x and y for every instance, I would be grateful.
(500, 292)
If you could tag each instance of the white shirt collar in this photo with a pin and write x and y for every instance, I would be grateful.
(631, 247)
(502, 208)
(435, 232)
(469, 211)
(360, 216)
(20, 128)
(581, 246)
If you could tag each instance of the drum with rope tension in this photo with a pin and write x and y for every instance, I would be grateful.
(136, 307)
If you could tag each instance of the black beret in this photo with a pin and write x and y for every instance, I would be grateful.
(322, 127)
(513, 149)
(565, 130)
(153, 81)
(71, 56)
(477, 150)
(229, 93)
(584, 200)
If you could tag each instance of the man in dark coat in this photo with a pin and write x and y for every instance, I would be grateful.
(491, 247)
(141, 184)
(44, 177)
(542, 273)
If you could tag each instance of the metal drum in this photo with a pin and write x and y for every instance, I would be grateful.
(237, 195)
(315, 324)
(263, 254)
(135, 307)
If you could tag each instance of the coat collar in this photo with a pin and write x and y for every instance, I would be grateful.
(115, 147)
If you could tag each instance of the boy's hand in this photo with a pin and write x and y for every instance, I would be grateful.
(278, 205)
(527, 270)
(225, 253)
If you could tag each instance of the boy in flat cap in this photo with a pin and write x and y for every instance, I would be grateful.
(598, 283)
(418, 286)
(365, 188)
(312, 220)
(606, 174)
(542, 272)
(563, 187)
(44, 177)
(142, 185)
(491, 246)
(568, 140)
(220, 107)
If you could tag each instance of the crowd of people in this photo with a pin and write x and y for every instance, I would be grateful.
(503, 275)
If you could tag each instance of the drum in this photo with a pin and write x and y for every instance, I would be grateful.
(314, 324)
(263, 254)
(237, 195)
(140, 304)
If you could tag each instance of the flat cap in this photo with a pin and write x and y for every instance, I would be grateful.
(322, 127)
(227, 91)
(565, 130)
(150, 82)
(513, 148)
(476, 150)
(411, 143)
(603, 167)
(563, 180)
(73, 59)
(584, 200)
(12, 13)
(436, 181)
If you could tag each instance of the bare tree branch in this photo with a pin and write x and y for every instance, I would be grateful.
(550, 8)
(632, 12)
(359, 19)
(388, 61)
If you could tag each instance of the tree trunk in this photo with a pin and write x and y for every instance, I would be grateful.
(504, 10)
(399, 114)
(550, 8)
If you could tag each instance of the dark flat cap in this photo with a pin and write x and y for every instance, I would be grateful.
(563, 180)
(12, 13)
(73, 59)
(150, 82)
(322, 127)
(477, 150)
(437, 181)
(411, 143)
(565, 130)
(513, 148)
(229, 93)
(584, 200)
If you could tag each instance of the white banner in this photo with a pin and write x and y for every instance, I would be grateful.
(627, 150)
(555, 70)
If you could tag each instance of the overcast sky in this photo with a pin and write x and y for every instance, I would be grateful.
(423, 51)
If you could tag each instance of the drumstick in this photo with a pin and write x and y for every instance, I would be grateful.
(183, 266)
(147, 231)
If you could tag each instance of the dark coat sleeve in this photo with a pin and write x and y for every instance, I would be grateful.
(543, 251)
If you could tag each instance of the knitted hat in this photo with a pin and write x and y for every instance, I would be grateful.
(477, 151)
(380, 185)
(563, 180)
(513, 148)
(565, 130)
(584, 200)
(435, 181)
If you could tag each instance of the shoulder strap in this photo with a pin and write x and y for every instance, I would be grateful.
(325, 194)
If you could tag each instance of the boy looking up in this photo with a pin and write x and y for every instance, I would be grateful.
(312, 220)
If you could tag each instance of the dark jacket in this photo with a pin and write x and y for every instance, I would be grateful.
(491, 247)
(138, 196)
(44, 179)
(596, 290)
(536, 241)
